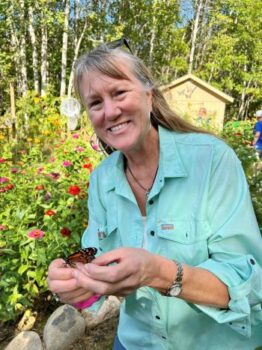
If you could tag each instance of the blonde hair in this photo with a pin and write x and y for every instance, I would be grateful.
(105, 60)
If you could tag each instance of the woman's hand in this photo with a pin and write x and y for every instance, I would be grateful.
(132, 268)
(62, 282)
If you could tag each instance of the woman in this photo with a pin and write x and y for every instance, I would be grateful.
(171, 217)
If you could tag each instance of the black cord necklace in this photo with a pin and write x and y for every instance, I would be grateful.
(147, 190)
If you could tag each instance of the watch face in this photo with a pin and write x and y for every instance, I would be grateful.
(175, 290)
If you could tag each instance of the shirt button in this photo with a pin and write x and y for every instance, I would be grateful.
(157, 317)
(163, 337)
(252, 261)
(152, 233)
(151, 201)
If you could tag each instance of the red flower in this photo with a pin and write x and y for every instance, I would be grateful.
(3, 189)
(39, 187)
(88, 166)
(74, 190)
(9, 187)
(2, 160)
(50, 212)
(65, 231)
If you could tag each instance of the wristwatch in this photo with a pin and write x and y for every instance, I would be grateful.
(176, 287)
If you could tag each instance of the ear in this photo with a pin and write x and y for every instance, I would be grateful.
(149, 95)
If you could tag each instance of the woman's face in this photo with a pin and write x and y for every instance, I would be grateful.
(119, 109)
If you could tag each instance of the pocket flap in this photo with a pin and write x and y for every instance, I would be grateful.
(183, 231)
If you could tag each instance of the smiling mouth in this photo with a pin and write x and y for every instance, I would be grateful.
(118, 127)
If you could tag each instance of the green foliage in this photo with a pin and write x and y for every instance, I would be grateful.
(239, 135)
(37, 199)
(255, 185)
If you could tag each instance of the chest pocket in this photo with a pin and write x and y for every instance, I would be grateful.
(108, 237)
(184, 240)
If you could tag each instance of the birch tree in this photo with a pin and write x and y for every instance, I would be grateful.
(64, 49)
(43, 53)
(34, 48)
(23, 49)
(195, 28)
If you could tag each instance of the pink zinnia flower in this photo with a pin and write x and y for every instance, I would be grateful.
(4, 179)
(95, 146)
(40, 170)
(36, 234)
(14, 170)
(2, 160)
(79, 149)
(3, 227)
(75, 136)
(67, 163)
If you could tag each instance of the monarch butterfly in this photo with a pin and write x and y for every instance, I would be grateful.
(84, 256)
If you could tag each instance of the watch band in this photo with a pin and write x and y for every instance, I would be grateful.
(176, 286)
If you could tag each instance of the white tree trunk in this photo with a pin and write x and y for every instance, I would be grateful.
(77, 48)
(199, 5)
(33, 42)
(64, 49)
(23, 68)
(43, 56)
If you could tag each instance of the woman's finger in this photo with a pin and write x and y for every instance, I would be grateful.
(75, 296)
(59, 271)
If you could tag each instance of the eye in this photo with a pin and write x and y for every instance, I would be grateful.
(120, 92)
(94, 103)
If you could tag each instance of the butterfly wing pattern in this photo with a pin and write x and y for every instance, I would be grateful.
(85, 256)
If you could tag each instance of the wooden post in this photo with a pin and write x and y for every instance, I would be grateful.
(12, 103)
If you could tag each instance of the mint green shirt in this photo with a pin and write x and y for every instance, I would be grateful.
(199, 212)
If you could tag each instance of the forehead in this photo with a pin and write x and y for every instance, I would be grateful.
(96, 79)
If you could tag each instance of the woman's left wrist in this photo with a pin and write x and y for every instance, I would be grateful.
(165, 275)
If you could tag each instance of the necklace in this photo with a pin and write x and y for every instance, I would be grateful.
(147, 190)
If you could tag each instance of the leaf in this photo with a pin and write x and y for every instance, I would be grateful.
(22, 269)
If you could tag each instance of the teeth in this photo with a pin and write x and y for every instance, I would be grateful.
(118, 127)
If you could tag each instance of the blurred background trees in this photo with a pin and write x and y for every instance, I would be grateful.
(219, 41)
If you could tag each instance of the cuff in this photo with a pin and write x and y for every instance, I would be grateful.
(242, 276)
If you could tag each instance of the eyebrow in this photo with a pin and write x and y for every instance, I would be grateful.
(95, 95)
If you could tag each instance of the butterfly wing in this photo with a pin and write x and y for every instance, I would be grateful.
(84, 256)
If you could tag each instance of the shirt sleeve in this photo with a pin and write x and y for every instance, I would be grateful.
(235, 244)
(96, 216)
(96, 222)
(258, 127)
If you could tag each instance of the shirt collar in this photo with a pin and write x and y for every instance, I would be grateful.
(171, 164)
(170, 159)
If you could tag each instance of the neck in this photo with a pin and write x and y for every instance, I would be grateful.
(147, 156)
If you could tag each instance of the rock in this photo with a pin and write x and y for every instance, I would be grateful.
(109, 309)
(26, 340)
(63, 328)
(27, 321)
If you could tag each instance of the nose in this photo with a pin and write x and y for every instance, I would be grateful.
(111, 109)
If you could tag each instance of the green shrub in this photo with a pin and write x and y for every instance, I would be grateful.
(43, 215)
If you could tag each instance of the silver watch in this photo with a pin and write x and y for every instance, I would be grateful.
(176, 287)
